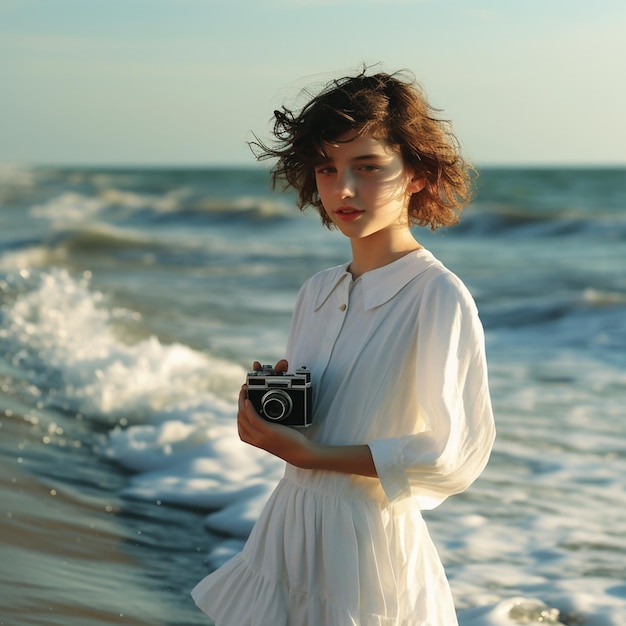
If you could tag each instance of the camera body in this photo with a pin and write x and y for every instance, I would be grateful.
(281, 398)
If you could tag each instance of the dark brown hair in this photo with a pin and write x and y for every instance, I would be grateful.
(393, 110)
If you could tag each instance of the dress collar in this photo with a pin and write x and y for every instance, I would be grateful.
(381, 284)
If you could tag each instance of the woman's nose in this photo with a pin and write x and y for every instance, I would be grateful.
(345, 185)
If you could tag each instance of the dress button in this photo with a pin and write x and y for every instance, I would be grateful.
(343, 307)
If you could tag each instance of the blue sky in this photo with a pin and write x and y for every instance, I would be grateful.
(169, 82)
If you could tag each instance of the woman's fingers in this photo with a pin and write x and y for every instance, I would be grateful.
(242, 417)
(281, 366)
(249, 423)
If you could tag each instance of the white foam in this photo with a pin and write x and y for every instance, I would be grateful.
(238, 518)
(16, 175)
(72, 206)
(28, 257)
(202, 465)
(162, 203)
(65, 325)
(223, 551)
(517, 610)
(69, 207)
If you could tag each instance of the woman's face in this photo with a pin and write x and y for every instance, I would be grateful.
(365, 187)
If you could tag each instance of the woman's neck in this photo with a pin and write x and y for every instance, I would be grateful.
(370, 253)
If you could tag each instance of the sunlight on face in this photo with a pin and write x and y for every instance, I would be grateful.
(364, 185)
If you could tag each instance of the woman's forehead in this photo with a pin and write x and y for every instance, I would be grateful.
(353, 144)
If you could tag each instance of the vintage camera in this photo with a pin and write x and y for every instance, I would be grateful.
(281, 398)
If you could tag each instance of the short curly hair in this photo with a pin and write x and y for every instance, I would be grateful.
(391, 108)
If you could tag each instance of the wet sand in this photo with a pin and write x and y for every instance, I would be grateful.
(68, 555)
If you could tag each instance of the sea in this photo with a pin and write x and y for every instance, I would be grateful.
(133, 302)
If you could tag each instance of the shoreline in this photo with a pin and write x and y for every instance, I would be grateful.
(67, 559)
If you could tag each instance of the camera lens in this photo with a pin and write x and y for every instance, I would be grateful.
(276, 405)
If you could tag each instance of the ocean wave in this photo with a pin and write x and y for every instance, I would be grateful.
(69, 207)
(16, 181)
(99, 236)
(24, 256)
(241, 206)
(589, 308)
(503, 220)
(525, 314)
(198, 206)
(65, 334)
(141, 208)
(603, 298)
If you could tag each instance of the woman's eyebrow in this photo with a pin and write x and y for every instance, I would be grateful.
(368, 157)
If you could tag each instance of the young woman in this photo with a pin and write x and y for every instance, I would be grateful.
(401, 410)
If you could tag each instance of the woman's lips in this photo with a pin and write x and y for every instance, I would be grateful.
(348, 213)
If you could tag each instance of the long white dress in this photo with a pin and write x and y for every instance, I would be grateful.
(398, 363)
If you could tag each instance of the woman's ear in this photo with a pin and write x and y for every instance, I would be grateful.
(417, 182)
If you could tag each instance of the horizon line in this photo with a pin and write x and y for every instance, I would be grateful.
(258, 166)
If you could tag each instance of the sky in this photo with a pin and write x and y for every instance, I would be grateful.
(188, 82)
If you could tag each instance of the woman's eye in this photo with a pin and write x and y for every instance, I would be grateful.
(325, 170)
(369, 168)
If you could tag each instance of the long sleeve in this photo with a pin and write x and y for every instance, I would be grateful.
(451, 385)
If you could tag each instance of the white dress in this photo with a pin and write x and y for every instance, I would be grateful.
(398, 363)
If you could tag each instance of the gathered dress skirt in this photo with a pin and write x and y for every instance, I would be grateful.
(329, 550)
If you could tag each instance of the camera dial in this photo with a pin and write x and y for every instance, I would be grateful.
(276, 405)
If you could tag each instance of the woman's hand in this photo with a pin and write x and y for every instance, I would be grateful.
(281, 366)
(293, 447)
(281, 441)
